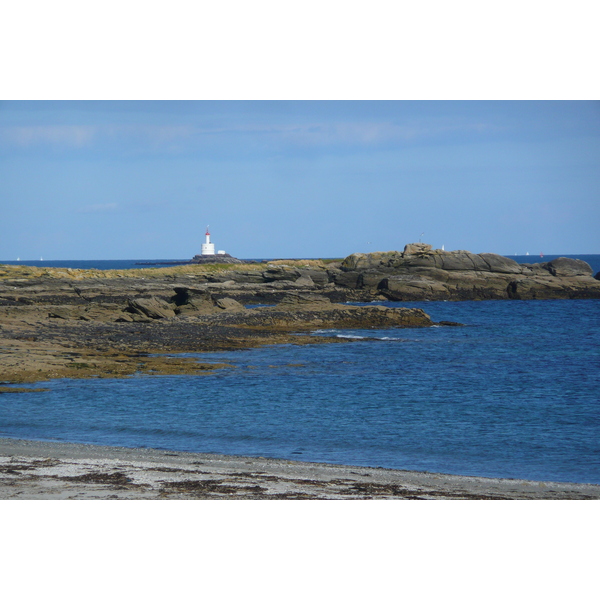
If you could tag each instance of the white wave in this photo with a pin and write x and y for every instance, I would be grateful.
(350, 336)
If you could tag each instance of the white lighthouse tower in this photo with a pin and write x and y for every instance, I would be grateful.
(208, 249)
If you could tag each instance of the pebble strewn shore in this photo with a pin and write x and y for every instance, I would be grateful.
(57, 471)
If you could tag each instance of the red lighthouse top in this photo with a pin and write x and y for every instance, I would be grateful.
(207, 231)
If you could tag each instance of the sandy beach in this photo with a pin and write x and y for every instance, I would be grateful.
(58, 471)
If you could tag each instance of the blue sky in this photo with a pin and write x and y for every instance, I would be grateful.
(142, 179)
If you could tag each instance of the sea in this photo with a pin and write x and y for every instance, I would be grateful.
(511, 394)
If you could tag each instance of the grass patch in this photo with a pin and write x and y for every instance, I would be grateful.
(314, 263)
(25, 272)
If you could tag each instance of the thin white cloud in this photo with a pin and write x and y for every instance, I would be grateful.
(157, 134)
(374, 133)
(57, 135)
(93, 208)
(317, 134)
(181, 137)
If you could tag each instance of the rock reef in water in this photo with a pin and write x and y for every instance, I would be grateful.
(53, 326)
(421, 273)
(223, 259)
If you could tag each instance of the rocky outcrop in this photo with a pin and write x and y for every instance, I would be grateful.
(319, 315)
(417, 273)
(188, 298)
(152, 308)
(201, 302)
(421, 273)
(229, 304)
(568, 267)
(294, 300)
(206, 259)
(94, 312)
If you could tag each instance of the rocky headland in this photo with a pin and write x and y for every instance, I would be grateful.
(90, 323)
(58, 323)
(422, 273)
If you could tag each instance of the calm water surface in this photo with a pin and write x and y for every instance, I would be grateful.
(512, 394)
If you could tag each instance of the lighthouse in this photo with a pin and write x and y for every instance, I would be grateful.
(208, 254)
(208, 249)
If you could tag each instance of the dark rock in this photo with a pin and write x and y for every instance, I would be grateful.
(66, 312)
(549, 287)
(281, 273)
(430, 261)
(370, 279)
(569, 267)
(220, 277)
(229, 304)
(140, 318)
(421, 273)
(535, 288)
(500, 264)
(241, 277)
(432, 273)
(153, 308)
(96, 312)
(463, 261)
(412, 287)
(318, 277)
(297, 298)
(304, 281)
(333, 274)
(347, 279)
(417, 248)
(373, 260)
(247, 277)
(193, 296)
(200, 259)
(534, 269)
(125, 318)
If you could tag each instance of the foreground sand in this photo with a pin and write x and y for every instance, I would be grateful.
(55, 471)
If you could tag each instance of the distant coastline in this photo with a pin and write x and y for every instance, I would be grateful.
(104, 265)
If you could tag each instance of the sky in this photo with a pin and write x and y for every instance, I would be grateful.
(93, 180)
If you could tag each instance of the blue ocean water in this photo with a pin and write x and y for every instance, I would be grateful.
(512, 394)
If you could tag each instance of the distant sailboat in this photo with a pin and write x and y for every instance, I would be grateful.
(18, 258)
(41, 258)
(526, 253)
(541, 255)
